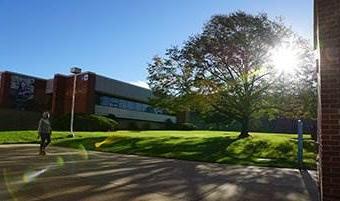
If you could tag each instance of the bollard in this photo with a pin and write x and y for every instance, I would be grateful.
(300, 144)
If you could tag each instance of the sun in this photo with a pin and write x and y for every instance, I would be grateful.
(285, 58)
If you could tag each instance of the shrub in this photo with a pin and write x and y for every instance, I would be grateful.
(84, 122)
(170, 125)
(186, 126)
(133, 126)
(146, 126)
(11, 119)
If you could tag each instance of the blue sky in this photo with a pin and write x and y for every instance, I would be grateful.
(116, 38)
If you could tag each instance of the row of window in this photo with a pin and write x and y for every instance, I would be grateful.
(127, 105)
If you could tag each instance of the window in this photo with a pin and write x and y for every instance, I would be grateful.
(114, 102)
(139, 107)
(127, 105)
(131, 105)
(122, 104)
(104, 101)
(144, 107)
(149, 109)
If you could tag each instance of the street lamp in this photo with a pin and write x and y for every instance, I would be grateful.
(75, 71)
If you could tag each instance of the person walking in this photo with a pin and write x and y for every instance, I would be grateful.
(44, 132)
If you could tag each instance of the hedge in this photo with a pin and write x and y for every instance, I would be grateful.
(84, 122)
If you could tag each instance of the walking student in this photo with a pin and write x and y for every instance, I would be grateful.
(44, 132)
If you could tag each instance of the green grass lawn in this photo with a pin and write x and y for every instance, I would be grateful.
(262, 149)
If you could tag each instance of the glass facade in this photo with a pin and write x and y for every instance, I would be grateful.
(120, 103)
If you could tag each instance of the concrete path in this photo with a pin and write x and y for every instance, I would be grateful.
(70, 175)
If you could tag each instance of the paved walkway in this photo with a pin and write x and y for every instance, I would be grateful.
(70, 175)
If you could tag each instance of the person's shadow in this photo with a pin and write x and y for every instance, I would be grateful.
(311, 185)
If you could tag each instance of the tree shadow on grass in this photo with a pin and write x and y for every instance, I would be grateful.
(208, 149)
(222, 149)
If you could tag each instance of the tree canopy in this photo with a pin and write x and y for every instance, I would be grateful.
(224, 69)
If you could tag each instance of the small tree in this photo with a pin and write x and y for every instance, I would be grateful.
(222, 69)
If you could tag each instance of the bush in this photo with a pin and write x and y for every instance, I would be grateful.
(133, 126)
(186, 126)
(146, 126)
(84, 122)
(170, 125)
(11, 119)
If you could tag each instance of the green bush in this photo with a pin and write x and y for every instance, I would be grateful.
(13, 120)
(170, 125)
(133, 126)
(84, 122)
(146, 126)
(186, 126)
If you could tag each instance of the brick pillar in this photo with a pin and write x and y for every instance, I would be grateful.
(58, 97)
(85, 93)
(62, 94)
(328, 41)
(4, 89)
(90, 95)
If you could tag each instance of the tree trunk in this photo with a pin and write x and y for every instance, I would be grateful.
(245, 128)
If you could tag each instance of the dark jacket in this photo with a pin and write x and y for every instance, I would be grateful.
(44, 126)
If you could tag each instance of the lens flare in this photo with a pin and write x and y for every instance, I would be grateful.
(60, 161)
(108, 140)
(10, 189)
(13, 184)
(32, 175)
(83, 152)
(285, 57)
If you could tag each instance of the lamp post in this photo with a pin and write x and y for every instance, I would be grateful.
(74, 71)
(300, 144)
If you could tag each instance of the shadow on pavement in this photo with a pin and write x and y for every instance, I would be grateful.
(311, 185)
(105, 176)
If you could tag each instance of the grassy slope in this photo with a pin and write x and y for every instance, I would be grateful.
(262, 149)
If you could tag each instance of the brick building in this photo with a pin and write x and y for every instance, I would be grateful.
(95, 94)
(327, 41)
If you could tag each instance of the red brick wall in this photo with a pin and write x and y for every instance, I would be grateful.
(62, 96)
(328, 21)
(40, 96)
(4, 89)
(58, 94)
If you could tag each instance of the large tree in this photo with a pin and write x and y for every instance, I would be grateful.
(224, 68)
(295, 93)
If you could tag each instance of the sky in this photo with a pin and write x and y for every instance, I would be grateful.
(117, 38)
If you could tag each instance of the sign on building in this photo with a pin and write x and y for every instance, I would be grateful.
(21, 91)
